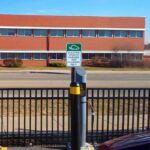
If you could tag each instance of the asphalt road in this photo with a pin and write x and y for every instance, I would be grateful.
(62, 79)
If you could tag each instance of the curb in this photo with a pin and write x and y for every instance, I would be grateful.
(69, 71)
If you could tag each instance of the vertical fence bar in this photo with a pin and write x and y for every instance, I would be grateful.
(133, 107)
(87, 112)
(148, 115)
(47, 105)
(35, 116)
(108, 109)
(7, 114)
(103, 98)
(92, 115)
(143, 114)
(63, 114)
(13, 122)
(52, 121)
(123, 111)
(97, 115)
(41, 133)
(118, 113)
(25, 116)
(113, 112)
(30, 115)
(2, 123)
(18, 116)
(128, 113)
(138, 110)
(58, 113)
(69, 116)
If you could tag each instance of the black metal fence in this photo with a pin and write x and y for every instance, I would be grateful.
(42, 116)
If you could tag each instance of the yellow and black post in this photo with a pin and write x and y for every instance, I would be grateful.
(75, 115)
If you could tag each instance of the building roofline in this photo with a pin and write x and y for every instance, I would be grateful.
(73, 16)
(64, 28)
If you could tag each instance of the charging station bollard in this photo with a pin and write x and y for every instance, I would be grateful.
(81, 79)
(75, 115)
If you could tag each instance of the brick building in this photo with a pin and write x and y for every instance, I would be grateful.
(40, 39)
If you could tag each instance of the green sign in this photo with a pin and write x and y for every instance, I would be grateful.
(74, 55)
(73, 47)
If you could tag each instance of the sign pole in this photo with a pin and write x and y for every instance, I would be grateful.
(75, 115)
(73, 74)
(74, 58)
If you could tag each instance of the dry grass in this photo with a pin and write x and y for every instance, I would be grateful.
(33, 107)
(60, 107)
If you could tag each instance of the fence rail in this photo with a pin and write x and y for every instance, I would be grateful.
(42, 116)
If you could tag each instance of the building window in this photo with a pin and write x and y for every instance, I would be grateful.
(3, 55)
(91, 55)
(57, 56)
(52, 55)
(24, 32)
(105, 33)
(59, 33)
(73, 33)
(100, 55)
(120, 33)
(27, 56)
(39, 56)
(7, 32)
(139, 34)
(60, 56)
(20, 56)
(36, 56)
(108, 55)
(10, 55)
(85, 56)
(11, 32)
(132, 33)
(88, 33)
(136, 34)
(44, 56)
(134, 57)
(138, 57)
(40, 32)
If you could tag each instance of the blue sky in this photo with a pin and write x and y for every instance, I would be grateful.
(80, 8)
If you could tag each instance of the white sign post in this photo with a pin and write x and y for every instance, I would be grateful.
(74, 55)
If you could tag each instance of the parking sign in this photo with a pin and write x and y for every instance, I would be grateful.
(74, 55)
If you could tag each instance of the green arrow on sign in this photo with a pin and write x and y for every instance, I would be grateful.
(73, 47)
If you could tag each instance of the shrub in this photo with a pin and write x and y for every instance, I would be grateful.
(56, 64)
(13, 62)
(97, 62)
(100, 62)
(127, 63)
(87, 63)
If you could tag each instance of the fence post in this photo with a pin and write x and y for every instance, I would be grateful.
(75, 115)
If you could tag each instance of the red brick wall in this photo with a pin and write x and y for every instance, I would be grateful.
(31, 63)
(147, 59)
(98, 43)
(23, 43)
(34, 62)
(72, 21)
(40, 43)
